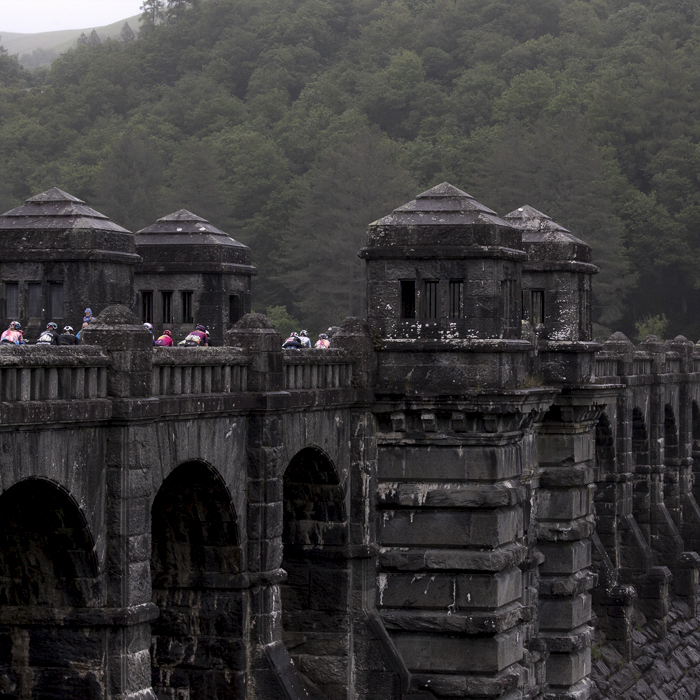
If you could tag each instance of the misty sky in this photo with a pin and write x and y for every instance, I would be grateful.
(29, 16)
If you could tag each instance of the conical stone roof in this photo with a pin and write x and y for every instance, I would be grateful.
(189, 238)
(56, 210)
(545, 240)
(443, 216)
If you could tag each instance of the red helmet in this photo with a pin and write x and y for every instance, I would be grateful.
(168, 333)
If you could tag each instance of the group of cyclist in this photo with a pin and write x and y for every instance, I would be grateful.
(301, 340)
(198, 338)
(14, 335)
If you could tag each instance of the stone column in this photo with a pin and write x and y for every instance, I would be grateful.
(566, 456)
(450, 524)
(689, 510)
(272, 674)
(128, 574)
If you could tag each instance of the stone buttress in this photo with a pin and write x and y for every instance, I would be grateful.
(456, 415)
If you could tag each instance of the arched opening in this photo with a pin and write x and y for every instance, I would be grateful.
(641, 503)
(670, 434)
(696, 449)
(197, 649)
(671, 491)
(315, 597)
(47, 560)
(605, 498)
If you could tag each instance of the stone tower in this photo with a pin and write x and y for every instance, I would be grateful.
(456, 415)
(192, 272)
(58, 256)
(556, 277)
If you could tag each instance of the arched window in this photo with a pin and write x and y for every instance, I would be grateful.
(195, 555)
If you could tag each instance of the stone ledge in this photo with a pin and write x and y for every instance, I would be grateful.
(459, 686)
(44, 616)
(505, 493)
(470, 623)
(478, 560)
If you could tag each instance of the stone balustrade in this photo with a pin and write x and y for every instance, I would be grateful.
(35, 373)
(183, 371)
(317, 369)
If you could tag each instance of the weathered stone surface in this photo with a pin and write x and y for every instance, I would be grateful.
(412, 513)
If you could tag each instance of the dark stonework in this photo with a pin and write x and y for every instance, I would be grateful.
(462, 498)
(192, 272)
(59, 256)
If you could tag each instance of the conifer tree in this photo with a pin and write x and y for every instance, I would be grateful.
(152, 13)
(347, 188)
(127, 34)
(93, 39)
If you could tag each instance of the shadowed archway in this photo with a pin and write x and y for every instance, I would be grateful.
(605, 498)
(197, 650)
(316, 595)
(696, 449)
(641, 502)
(672, 496)
(48, 561)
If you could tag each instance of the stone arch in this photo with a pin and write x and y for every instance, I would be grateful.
(695, 422)
(195, 564)
(315, 596)
(48, 562)
(605, 498)
(670, 434)
(641, 501)
(671, 489)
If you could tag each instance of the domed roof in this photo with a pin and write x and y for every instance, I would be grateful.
(545, 240)
(442, 216)
(56, 210)
(190, 238)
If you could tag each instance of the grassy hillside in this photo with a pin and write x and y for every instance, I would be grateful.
(55, 43)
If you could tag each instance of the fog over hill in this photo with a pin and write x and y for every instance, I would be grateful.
(41, 48)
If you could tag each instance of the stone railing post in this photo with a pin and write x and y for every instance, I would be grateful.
(258, 337)
(130, 350)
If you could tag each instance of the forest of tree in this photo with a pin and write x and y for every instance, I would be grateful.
(292, 124)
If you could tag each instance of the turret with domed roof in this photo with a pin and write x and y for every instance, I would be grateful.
(192, 272)
(556, 277)
(444, 275)
(58, 256)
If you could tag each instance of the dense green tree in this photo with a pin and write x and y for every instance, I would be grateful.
(127, 34)
(346, 189)
(556, 164)
(244, 110)
(129, 184)
(152, 12)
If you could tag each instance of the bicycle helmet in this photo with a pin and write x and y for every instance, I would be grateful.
(201, 328)
(304, 333)
(148, 326)
(168, 333)
(323, 336)
(15, 326)
(52, 325)
(67, 329)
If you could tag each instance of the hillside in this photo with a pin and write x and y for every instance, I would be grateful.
(294, 123)
(55, 43)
